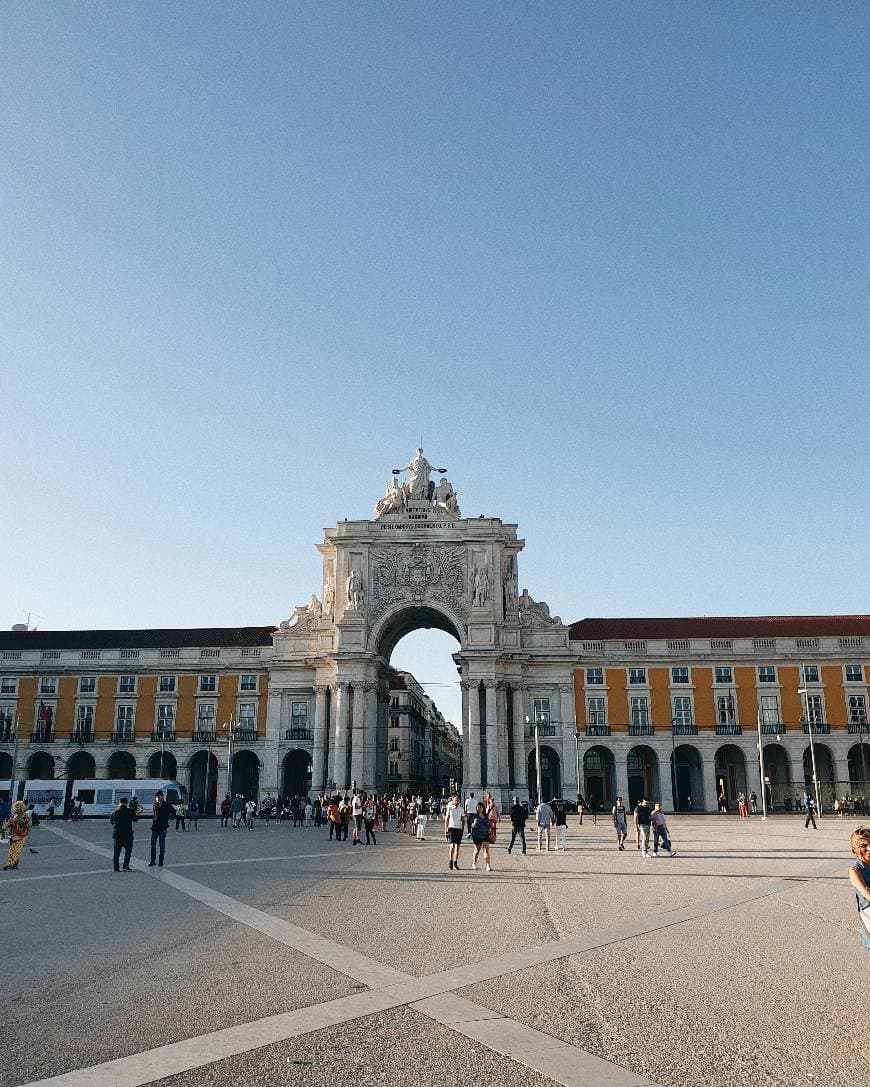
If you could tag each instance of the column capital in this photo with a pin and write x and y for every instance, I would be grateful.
(341, 684)
(490, 684)
(321, 688)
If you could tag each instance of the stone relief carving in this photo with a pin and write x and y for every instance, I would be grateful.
(480, 585)
(355, 592)
(304, 617)
(329, 598)
(510, 590)
(418, 573)
(536, 613)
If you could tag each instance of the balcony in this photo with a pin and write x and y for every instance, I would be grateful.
(83, 735)
(683, 728)
(246, 735)
(857, 728)
(820, 728)
(204, 736)
(598, 730)
(641, 730)
(123, 736)
(163, 736)
(729, 728)
(42, 736)
(7, 734)
(543, 730)
(772, 728)
(304, 734)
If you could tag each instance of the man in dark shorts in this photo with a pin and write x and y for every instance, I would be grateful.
(454, 817)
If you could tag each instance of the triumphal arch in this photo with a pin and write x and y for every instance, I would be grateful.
(419, 563)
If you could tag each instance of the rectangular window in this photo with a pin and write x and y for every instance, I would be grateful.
(7, 720)
(637, 676)
(394, 722)
(85, 718)
(8, 685)
(854, 673)
(857, 709)
(394, 744)
(124, 723)
(596, 713)
(682, 710)
(87, 684)
(679, 675)
(770, 710)
(541, 710)
(726, 710)
(723, 673)
(299, 715)
(394, 769)
(207, 684)
(165, 721)
(640, 711)
(248, 683)
(167, 685)
(205, 714)
(248, 716)
(811, 673)
(126, 684)
(766, 673)
(815, 709)
(48, 685)
(594, 676)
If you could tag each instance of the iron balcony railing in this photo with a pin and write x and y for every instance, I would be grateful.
(204, 736)
(598, 730)
(246, 735)
(772, 728)
(299, 734)
(82, 735)
(7, 734)
(123, 736)
(729, 728)
(543, 730)
(42, 736)
(859, 727)
(641, 730)
(163, 735)
(820, 728)
(684, 728)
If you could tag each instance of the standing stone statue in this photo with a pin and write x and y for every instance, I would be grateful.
(419, 486)
(480, 588)
(354, 591)
(329, 599)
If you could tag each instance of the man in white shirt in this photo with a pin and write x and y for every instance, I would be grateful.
(453, 819)
(544, 818)
(470, 809)
(356, 810)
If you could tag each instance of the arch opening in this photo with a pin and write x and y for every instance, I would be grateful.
(246, 775)
(296, 775)
(163, 764)
(689, 779)
(81, 765)
(642, 765)
(203, 781)
(730, 768)
(777, 775)
(121, 766)
(824, 772)
(599, 777)
(551, 775)
(40, 766)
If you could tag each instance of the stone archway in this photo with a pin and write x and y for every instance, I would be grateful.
(81, 766)
(777, 771)
(40, 766)
(5, 766)
(163, 764)
(730, 765)
(246, 774)
(203, 781)
(551, 774)
(121, 766)
(824, 772)
(689, 773)
(859, 769)
(642, 767)
(599, 777)
(296, 776)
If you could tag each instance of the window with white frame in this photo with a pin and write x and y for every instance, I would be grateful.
(84, 719)
(87, 684)
(723, 673)
(124, 722)
(815, 709)
(811, 673)
(766, 673)
(207, 684)
(637, 676)
(857, 709)
(9, 685)
(248, 683)
(541, 710)
(205, 717)
(596, 711)
(679, 674)
(7, 722)
(594, 676)
(394, 769)
(640, 711)
(166, 685)
(299, 715)
(126, 684)
(165, 721)
(48, 685)
(248, 716)
(854, 673)
(726, 709)
(769, 707)
(682, 710)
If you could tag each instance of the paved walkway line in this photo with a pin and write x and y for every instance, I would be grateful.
(561, 1062)
(7, 882)
(345, 960)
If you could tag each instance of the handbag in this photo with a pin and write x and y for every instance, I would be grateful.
(491, 834)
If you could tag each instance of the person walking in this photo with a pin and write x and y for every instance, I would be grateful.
(17, 829)
(122, 819)
(518, 816)
(470, 808)
(333, 817)
(193, 813)
(226, 810)
(250, 813)
(859, 877)
(643, 825)
(660, 831)
(344, 810)
(620, 822)
(180, 817)
(544, 818)
(422, 819)
(480, 836)
(370, 816)
(560, 818)
(581, 807)
(454, 817)
(811, 814)
(356, 810)
(238, 807)
(163, 814)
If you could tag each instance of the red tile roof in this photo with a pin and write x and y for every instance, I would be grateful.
(718, 626)
(216, 637)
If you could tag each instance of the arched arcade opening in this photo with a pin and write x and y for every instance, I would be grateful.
(599, 777)
(121, 766)
(203, 781)
(246, 774)
(81, 765)
(689, 779)
(730, 766)
(551, 775)
(777, 773)
(163, 764)
(296, 774)
(824, 772)
(642, 765)
(40, 766)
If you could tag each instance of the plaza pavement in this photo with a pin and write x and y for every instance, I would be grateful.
(276, 957)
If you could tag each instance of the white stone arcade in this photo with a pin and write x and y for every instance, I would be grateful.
(419, 563)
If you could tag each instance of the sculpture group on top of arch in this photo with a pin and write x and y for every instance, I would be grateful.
(419, 492)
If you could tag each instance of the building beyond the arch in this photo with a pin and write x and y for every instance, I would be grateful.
(667, 708)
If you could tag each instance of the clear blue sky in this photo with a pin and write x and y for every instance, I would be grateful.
(610, 260)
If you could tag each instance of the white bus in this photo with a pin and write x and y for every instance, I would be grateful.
(100, 796)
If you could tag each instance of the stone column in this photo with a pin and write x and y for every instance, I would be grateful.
(474, 781)
(620, 757)
(370, 743)
(357, 736)
(270, 762)
(711, 786)
(503, 727)
(569, 743)
(319, 770)
(464, 731)
(338, 747)
(666, 782)
(492, 778)
(521, 767)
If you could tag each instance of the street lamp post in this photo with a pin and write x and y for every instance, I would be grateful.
(537, 755)
(577, 758)
(230, 729)
(805, 692)
(761, 766)
(16, 729)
